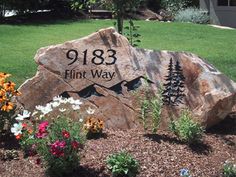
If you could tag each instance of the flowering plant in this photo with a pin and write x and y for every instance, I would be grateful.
(58, 143)
(7, 91)
(93, 126)
(55, 137)
(185, 173)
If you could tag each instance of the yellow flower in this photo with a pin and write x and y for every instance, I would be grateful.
(2, 95)
(4, 75)
(16, 93)
(2, 81)
(7, 107)
(9, 86)
(2, 98)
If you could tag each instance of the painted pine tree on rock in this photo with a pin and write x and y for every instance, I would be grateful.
(178, 83)
(168, 92)
(174, 86)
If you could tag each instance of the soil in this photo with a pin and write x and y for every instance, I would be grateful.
(160, 154)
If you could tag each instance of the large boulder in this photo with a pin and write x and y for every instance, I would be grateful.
(103, 69)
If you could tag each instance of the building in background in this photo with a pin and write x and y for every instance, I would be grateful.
(222, 12)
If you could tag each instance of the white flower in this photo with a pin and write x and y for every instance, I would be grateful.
(64, 101)
(75, 107)
(45, 110)
(25, 114)
(81, 120)
(39, 107)
(90, 111)
(77, 102)
(55, 104)
(62, 109)
(34, 113)
(57, 98)
(16, 129)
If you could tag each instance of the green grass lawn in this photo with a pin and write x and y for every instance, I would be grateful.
(18, 44)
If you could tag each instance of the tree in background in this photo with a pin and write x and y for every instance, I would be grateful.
(120, 8)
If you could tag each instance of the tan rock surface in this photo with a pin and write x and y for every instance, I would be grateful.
(210, 95)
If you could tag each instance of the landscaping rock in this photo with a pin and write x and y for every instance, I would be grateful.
(63, 70)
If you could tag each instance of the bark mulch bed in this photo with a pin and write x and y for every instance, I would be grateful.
(159, 154)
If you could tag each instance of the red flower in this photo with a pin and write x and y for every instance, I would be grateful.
(65, 134)
(74, 144)
(38, 161)
(18, 136)
(57, 148)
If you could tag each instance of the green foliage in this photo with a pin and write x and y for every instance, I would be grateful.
(59, 146)
(229, 169)
(144, 112)
(174, 6)
(122, 164)
(132, 33)
(156, 108)
(81, 4)
(151, 105)
(120, 8)
(186, 129)
(193, 15)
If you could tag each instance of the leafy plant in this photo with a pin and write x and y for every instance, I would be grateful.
(229, 168)
(186, 129)
(81, 4)
(132, 33)
(122, 164)
(151, 106)
(120, 8)
(156, 108)
(193, 15)
(57, 140)
(58, 144)
(7, 107)
(174, 86)
(174, 6)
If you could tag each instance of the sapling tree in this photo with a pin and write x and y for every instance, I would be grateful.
(174, 86)
(120, 7)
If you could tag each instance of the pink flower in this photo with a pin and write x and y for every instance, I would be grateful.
(43, 126)
(65, 134)
(42, 132)
(57, 148)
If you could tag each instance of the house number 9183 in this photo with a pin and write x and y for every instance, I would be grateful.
(98, 57)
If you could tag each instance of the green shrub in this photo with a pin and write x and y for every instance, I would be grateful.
(122, 164)
(229, 169)
(186, 129)
(174, 6)
(193, 15)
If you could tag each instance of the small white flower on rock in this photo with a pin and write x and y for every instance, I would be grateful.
(57, 98)
(90, 111)
(45, 110)
(25, 114)
(55, 104)
(16, 129)
(62, 109)
(77, 102)
(75, 107)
